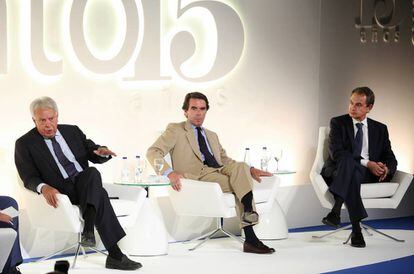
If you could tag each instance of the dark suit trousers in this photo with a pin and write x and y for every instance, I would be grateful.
(346, 183)
(15, 257)
(86, 189)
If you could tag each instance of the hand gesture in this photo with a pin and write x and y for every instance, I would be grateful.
(104, 151)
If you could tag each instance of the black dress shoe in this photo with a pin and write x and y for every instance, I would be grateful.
(88, 239)
(123, 264)
(357, 240)
(332, 219)
(260, 248)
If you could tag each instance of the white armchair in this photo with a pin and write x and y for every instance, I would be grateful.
(7, 238)
(67, 218)
(206, 199)
(376, 195)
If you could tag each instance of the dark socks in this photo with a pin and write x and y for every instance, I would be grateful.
(115, 252)
(251, 237)
(247, 202)
(89, 218)
(356, 228)
(337, 206)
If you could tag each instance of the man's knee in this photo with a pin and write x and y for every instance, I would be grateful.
(11, 202)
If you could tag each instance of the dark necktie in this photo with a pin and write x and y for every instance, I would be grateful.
(358, 142)
(63, 160)
(209, 159)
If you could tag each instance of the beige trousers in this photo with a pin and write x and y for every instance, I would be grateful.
(233, 178)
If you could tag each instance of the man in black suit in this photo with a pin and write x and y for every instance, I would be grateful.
(53, 159)
(359, 152)
(6, 221)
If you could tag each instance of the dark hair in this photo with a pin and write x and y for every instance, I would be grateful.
(194, 95)
(370, 96)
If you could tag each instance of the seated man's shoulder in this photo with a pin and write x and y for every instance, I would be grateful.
(176, 126)
(341, 118)
(377, 124)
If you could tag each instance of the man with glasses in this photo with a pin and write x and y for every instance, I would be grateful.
(53, 159)
(359, 152)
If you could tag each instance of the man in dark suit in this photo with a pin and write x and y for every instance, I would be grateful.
(359, 152)
(15, 257)
(53, 159)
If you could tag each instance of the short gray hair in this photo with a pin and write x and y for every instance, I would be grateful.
(43, 102)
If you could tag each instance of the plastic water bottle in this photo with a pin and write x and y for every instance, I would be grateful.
(125, 170)
(138, 169)
(264, 161)
(247, 159)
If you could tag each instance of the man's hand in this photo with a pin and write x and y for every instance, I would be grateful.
(386, 170)
(50, 195)
(174, 178)
(5, 218)
(256, 173)
(378, 169)
(104, 151)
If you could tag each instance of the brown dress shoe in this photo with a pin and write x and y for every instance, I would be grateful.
(261, 248)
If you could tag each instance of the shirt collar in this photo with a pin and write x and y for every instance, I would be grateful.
(364, 122)
(57, 134)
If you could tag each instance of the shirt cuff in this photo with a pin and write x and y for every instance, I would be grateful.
(364, 162)
(167, 172)
(39, 188)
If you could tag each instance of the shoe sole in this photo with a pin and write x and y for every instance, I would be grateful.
(118, 268)
(326, 222)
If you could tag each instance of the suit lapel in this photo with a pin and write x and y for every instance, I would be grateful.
(214, 146)
(44, 151)
(192, 140)
(350, 130)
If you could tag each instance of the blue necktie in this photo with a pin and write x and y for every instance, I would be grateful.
(209, 159)
(63, 160)
(358, 142)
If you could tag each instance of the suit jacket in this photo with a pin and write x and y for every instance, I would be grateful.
(36, 164)
(341, 142)
(181, 143)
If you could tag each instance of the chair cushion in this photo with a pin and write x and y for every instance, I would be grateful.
(378, 190)
(229, 199)
(123, 207)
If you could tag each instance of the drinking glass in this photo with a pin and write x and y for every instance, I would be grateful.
(278, 154)
(158, 165)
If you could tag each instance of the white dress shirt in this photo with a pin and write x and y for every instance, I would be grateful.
(364, 151)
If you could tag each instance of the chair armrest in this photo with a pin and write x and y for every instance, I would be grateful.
(66, 217)
(198, 198)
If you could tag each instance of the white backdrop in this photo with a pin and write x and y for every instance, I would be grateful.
(274, 72)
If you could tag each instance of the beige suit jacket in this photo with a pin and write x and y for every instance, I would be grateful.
(181, 143)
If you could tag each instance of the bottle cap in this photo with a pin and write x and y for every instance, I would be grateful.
(124, 157)
(137, 157)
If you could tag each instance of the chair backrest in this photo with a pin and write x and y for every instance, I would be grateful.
(206, 199)
(318, 183)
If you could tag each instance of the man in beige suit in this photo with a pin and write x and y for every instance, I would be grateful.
(196, 153)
